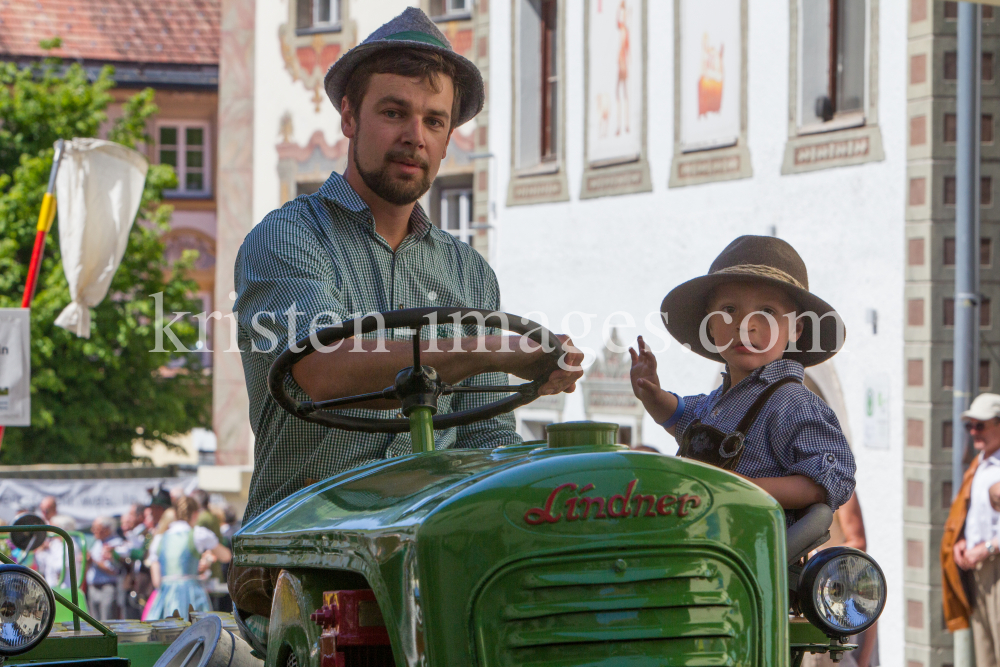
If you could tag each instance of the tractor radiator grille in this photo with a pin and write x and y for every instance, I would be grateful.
(618, 609)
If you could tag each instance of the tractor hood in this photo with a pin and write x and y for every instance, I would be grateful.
(446, 537)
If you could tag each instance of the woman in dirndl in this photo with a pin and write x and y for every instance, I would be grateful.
(178, 556)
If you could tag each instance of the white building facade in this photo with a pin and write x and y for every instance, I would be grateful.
(623, 145)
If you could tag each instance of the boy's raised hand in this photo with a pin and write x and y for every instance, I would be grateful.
(645, 382)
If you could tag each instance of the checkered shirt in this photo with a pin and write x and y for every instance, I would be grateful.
(795, 433)
(321, 254)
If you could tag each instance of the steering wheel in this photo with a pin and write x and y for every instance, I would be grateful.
(417, 385)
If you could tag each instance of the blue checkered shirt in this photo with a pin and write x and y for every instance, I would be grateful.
(795, 433)
(321, 253)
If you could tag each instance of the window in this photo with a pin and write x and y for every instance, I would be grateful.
(455, 212)
(834, 61)
(538, 104)
(450, 8)
(539, 84)
(185, 147)
(317, 15)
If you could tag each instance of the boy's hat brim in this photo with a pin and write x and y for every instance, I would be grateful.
(759, 259)
(410, 30)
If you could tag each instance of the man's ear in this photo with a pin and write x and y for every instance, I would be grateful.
(447, 143)
(348, 123)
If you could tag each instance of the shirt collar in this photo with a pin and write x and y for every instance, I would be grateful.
(337, 190)
(770, 373)
(991, 460)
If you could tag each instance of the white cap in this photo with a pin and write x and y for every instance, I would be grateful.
(983, 408)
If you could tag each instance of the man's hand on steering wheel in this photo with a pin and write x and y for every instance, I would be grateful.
(528, 361)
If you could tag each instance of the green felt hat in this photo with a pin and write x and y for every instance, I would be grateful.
(410, 30)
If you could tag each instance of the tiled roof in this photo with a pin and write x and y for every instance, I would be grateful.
(143, 31)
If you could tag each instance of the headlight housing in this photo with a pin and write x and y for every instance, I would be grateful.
(842, 591)
(27, 609)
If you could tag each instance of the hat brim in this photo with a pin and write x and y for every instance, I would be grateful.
(684, 308)
(468, 78)
(979, 416)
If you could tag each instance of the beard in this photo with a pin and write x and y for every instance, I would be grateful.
(395, 190)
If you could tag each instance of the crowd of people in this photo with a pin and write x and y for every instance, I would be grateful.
(170, 555)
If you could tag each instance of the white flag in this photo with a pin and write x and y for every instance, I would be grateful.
(98, 191)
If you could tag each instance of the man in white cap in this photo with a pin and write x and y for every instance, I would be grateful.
(971, 541)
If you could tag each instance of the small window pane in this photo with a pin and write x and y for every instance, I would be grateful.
(985, 320)
(950, 65)
(985, 252)
(948, 311)
(194, 159)
(194, 182)
(323, 11)
(815, 85)
(194, 136)
(949, 251)
(850, 55)
(950, 128)
(168, 136)
(169, 157)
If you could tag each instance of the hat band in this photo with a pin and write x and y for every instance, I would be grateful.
(417, 36)
(760, 271)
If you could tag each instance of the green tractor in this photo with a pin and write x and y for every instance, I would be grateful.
(566, 552)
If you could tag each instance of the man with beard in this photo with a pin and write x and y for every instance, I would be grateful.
(363, 244)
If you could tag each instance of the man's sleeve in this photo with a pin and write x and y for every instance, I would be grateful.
(496, 431)
(285, 285)
(807, 440)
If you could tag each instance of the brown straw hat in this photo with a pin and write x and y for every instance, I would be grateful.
(758, 259)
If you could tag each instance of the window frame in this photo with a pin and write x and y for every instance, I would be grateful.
(465, 231)
(853, 138)
(545, 181)
(181, 191)
(336, 8)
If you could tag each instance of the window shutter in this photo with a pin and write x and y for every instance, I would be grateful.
(304, 14)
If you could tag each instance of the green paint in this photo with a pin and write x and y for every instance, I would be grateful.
(442, 539)
(581, 434)
(422, 429)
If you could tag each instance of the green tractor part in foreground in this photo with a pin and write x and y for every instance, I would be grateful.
(575, 551)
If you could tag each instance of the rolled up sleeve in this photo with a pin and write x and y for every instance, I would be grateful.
(807, 440)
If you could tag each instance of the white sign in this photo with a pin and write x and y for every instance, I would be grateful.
(83, 499)
(877, 412)
(711, 73)
(15, 367)
(614, 114)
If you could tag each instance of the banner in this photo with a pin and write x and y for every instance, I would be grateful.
(15, 367)
(615, 76)
(84, 499)
(711, 73)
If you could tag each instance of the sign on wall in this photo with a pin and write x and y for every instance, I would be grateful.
(615, 77)
(711, 73)
(877, 412)
(15, 367)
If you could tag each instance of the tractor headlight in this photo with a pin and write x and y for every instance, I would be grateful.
(27, 609)
(842, 591)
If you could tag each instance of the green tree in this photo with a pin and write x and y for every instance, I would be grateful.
(90, 398)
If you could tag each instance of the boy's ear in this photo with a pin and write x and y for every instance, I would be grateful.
(799, 326)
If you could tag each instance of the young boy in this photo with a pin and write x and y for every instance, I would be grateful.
(762, 423)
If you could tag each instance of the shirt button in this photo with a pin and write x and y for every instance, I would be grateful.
(831, 458)
(715, 412)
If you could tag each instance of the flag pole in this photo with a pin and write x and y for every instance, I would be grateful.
(45, 217)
